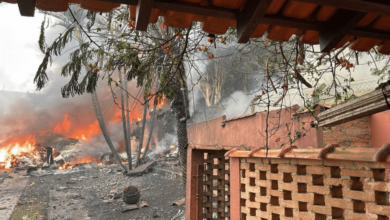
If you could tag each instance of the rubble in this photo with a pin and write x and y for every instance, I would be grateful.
(135, 206)
(114, 194)
(180, 202)
(58, 142)
(144, 168)
(155, 214)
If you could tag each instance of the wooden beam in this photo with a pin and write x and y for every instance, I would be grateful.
(369, 104)
(195, 9)
(144, 10)
(374, 6)
(127, 2)
(250, 17)
(337, 27)
(370, 34)
(291, 22)
(26, 7)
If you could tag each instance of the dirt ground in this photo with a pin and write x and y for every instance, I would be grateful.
(85, 195)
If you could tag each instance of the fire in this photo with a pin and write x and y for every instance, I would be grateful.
(172, 147)
(70, 165)
(139, 119)
(14, 149)
(67, 129)
(63, 126)
(161, 102)
(87, 160)
(65, 166)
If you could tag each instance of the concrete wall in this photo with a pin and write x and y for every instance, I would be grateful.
(250, 130)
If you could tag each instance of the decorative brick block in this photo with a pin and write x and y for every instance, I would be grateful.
(315, 189)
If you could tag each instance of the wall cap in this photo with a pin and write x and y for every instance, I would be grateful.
(332, 151)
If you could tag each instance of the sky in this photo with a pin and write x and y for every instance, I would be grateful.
(19, 52)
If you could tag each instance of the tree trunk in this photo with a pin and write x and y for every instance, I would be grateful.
(150, 129)
(103, 128)
(141, 141)
(179, 104)
(124, 120)
(153, 116)
(128, 151)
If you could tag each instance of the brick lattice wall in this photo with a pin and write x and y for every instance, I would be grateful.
(356, 133)
(313, 189)
(216, 186)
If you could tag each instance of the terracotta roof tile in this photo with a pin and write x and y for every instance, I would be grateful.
(282, 19)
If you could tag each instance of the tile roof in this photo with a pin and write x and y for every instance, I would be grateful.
(329, 23)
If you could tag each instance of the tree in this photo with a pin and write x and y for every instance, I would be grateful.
(140, 54)
(124, 121)
(65, 21)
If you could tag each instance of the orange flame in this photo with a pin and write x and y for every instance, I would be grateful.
(63, 126)
(161, 101)
(66, 128)
(70, 165)
(13, 149)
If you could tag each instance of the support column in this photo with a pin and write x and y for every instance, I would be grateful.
(194, 158)
(235, 188)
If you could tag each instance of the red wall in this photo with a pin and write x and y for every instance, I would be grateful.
(380, 129)
(250, 130)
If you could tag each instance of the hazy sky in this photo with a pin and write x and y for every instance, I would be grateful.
(19, 52)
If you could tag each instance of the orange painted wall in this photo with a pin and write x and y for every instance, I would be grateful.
(250, 130)
(380, 129)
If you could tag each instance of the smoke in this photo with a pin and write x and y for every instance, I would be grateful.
(237, 104)
(225, 85)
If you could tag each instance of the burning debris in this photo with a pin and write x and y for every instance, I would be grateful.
(23, 155)
(39, 150)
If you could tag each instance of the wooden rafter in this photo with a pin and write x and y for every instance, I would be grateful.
(144, 10)
(127, 2)
(194, 9)
(291, 22)
(381, 7)
(337, 27)
(370, 34)
(250, 17)
(26, 7)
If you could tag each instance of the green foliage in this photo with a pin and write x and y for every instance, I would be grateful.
(55, 49)
(92, 17)
(41, 41)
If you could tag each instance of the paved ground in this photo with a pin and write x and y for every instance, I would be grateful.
(11, 187)
(84, 195)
